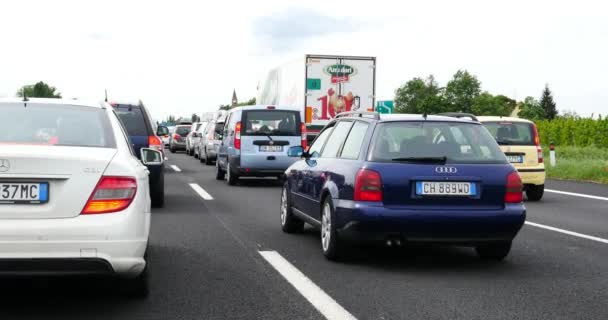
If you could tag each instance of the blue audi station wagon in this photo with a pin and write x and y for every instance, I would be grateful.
(397, 179)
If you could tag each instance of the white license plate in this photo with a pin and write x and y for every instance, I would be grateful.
(515, 159)
(432, 188)
(271, 148)
(28, 193)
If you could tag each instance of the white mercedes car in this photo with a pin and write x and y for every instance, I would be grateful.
(74, 199)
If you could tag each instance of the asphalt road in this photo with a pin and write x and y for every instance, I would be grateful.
(205, 263)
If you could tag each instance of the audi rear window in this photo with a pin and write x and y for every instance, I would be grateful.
(56, 125)
(271, 122)
(420, 141)
(132, 118)
(511, 133)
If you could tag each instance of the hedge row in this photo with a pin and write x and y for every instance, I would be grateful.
(574, 132)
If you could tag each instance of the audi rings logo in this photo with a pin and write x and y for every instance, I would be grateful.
(446, 170)
(4, 165)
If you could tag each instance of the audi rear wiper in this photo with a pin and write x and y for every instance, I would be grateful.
(439, 160)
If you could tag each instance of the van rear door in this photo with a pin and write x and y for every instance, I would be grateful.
(266, 135)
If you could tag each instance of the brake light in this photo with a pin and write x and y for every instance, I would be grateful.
(177, 137)
(514, 193)
(155, 142)
(539, 150)
(111, 194)
(237, 136)
(304, 141)
(368, 186)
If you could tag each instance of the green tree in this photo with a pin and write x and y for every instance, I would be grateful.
(420, 96)
(547, 104)
(488, 105)
(38, 90)
(531, 109)
(195, 118)
(461, 91)
(249, 102)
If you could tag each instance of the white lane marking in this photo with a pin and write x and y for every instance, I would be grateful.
(175, 168)
(572, 233)
(576, 194)
(327, 306)
(201, 192)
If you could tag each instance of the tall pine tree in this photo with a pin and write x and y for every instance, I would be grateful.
(547, 104)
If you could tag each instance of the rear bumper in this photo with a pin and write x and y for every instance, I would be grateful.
(178, 146)
(115, 242)
(256, 171)
(369, 222)
(535, 176)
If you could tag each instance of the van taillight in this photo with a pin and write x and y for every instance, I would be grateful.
(154, 142)
(514, 192)
(237, 136)
(111, 194)
(368, 186)
(304, 141)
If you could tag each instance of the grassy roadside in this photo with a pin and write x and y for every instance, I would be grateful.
(578, 163)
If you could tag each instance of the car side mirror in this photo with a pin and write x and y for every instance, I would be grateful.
(162, 131)
(295, 152)
(151, 156)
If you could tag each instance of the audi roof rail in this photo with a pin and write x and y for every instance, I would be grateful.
(459, 115)
(360, 114)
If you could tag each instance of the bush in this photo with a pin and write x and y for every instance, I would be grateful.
(578, 132)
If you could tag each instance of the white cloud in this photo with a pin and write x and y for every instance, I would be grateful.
(187, 56)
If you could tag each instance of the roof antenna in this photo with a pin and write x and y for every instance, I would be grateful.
(106, 100)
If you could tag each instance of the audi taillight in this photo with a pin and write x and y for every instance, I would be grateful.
(514, 193)
(368, 186)
(112, 194)
(237, 136)
(304, 141)
(539, 150)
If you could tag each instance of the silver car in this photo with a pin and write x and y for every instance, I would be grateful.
(210, 141)
(178, 138)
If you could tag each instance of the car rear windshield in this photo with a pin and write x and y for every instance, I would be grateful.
(511, 133)
(271, 122)
(132, 118)
(417, 141)
(55, 125)
(182, 130)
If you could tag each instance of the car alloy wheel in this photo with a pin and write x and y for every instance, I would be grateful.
(283, 206)
(326, 227)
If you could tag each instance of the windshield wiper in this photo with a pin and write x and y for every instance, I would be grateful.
(439, 160)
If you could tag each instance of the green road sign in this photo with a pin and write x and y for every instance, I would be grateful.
(387, 106)
(313, 84)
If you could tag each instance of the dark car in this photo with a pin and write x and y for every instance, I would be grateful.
(405, 178)
(144, 134)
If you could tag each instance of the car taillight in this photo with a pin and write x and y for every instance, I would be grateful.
(304, 141)
(177, 137)
(237, 136)
(111, 194)
(368, 186)
(539, 150)
(154, 142)
(514, 193)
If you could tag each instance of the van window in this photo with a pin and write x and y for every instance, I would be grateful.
(271, 122)
(457, 142)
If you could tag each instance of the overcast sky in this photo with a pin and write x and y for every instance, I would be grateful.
(181, 57)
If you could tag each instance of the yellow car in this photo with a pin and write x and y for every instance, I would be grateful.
(518, 139)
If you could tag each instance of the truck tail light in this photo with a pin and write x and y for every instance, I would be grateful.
(368, 186)
(237, 136)
(111, 194)
(514, 192)
(304, 141)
